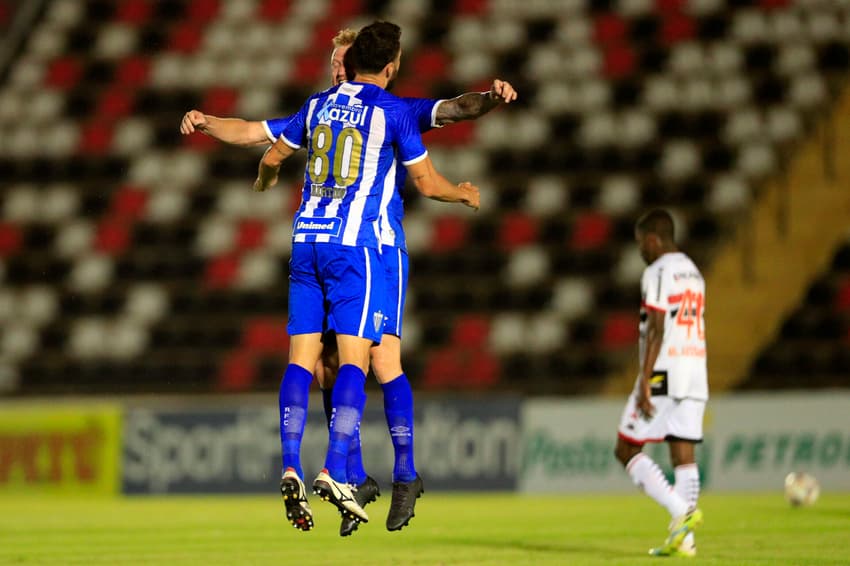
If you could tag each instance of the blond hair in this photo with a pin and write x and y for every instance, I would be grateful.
(344, 37)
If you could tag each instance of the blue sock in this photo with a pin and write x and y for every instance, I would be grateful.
(294, 394)
(327, 402)
(354, 466)
(347, 395)
(398, 408)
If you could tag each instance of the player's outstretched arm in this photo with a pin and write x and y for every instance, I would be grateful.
(234, 131)
(270, 165)
(434, 186)
(472, 105)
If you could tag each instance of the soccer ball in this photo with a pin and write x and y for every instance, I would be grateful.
(801, 489)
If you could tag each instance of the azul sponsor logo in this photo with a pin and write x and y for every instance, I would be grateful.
(332, 112)
(308, 225)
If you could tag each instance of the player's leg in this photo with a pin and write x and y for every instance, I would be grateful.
(646, 474)
(686, 484)
(304, 327)
(398, 409)
(348, 401)
(293, 397)
(685, 433)
(355, 292)
(633, 433)
(326, 371)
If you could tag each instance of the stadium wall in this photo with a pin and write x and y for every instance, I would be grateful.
(230, 444)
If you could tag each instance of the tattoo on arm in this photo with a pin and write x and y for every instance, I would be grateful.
(468, 106)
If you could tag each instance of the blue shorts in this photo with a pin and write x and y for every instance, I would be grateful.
(338, 288)
(397, 268)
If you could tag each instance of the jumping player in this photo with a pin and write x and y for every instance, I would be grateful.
(354, 133)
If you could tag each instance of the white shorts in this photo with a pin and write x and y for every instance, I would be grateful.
(674, 419)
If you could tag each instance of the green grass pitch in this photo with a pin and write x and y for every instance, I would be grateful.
(448, 529)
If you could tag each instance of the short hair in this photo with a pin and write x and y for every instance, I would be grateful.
(344, 37)
(657, 221)
(375, 46)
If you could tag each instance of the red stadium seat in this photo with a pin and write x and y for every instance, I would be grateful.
(516, 230)
(133, 72)
(450, 233)
(129, 203)
(609, 29)
(203, 10)
(264, 335)
(620, 61)
(237, 373)
(471, 332)
(221, 271)
(430, 64)
(274, 10)
(310, 67)
(64, 72)
(96, 137)
(675, 28)
(346, 9)
(251, 234)
(591, 231)
(112, 237)
(458, 368)
(186, 37)
(620, 331)
(133, 11)
(115, 103)
(10, 239)
(220, 101)
(471, 7)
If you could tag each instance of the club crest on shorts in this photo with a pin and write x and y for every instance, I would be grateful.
(378, 320)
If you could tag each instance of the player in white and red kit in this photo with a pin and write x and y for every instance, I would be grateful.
(669, 397)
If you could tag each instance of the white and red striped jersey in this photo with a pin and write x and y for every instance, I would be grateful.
(672, 284)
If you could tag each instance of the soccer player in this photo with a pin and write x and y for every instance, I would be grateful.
(668, 400)
(354, 132)
(386, 357)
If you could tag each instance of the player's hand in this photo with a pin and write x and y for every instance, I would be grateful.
(502, 91)
(644, 405)
(193, 120)
(471, 196)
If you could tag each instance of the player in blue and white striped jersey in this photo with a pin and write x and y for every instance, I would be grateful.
(353, 132)
(386, 357)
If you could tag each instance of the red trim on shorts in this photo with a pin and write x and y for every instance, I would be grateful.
(637, 442)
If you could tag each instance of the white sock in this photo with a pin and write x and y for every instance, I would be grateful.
(687, 486)
(648, 476)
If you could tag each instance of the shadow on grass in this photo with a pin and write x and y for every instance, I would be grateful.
(559, 548)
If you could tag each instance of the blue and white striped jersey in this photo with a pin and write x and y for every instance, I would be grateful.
(424, 113)
(354, 133)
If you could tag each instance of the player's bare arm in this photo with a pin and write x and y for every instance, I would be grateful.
(433, 185)
(234, 131)
(270, 165)
(654, 336)
(472, 105)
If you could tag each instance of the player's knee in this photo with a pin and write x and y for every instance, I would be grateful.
(625, 452)
(386, 370)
